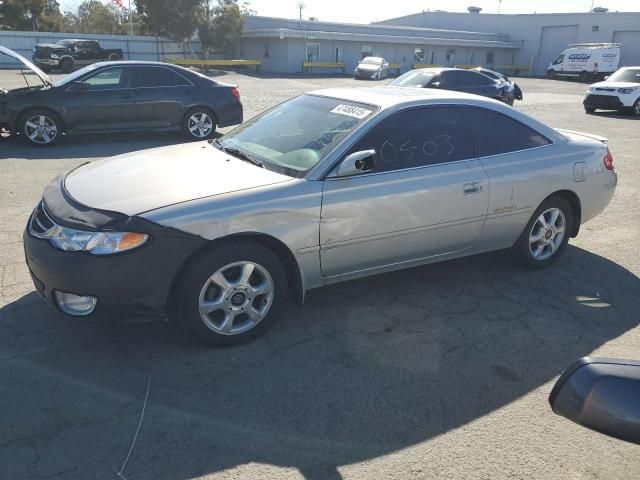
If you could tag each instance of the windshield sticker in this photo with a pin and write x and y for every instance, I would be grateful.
(351, 111)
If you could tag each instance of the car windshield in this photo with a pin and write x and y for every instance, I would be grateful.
(75, 75)
(631, 75)
(294, 136)
(372, 61)
(416, 78)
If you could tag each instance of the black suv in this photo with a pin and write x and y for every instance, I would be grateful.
(68, 54)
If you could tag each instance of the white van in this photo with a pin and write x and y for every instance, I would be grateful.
(588, 61)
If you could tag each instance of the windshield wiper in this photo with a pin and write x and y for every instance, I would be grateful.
(236, 152)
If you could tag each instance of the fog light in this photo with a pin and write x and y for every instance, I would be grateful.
(77, 305)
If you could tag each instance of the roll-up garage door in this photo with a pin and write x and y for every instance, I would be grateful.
(553, 41)
(630, 41)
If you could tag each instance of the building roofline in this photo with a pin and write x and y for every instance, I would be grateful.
(466, 14)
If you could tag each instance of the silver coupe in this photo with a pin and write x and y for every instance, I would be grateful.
(329, 186)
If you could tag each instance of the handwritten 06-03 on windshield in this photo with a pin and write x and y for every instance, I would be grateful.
(441, 144)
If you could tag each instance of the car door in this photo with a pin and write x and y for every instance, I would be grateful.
(427, 194)
(107, 103)
(162, 96)
(478, 84)
(85, 53)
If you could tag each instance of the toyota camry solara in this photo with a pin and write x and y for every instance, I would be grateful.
(328, 186)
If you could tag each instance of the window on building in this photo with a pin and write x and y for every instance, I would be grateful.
(451, 56)
(339, 54)
(495, 133)
(489, 57)
(419, 137)
(418, 55)
(266, 50)
(367, 51)
(313, 52)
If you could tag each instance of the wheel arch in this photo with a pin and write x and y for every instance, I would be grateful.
(201, 105)
(576, 207)
(21, 113)
(281, 250)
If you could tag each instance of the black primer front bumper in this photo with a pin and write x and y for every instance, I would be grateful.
(603, 101)
(128, 285)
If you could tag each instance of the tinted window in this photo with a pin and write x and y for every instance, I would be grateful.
(157, 77)
(471, 79)
(417, 137)
(495, 133)
(414, 78)
(449, 79)
(107, 79)
(559, 59)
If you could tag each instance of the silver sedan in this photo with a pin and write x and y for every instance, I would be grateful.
(329, 186)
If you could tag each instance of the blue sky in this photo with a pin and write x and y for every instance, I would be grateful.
(365, 11)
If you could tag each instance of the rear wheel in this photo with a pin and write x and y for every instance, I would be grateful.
(232, 294)
(546, 235)
(199, 123)
(114, 57)
(66, 65)
(40, 127)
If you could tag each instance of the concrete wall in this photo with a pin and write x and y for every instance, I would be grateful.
(134, 47)
(530, 30)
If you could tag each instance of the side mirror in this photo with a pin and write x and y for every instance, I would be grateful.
(356, 163)
(606, 77)
(434, 85)
(602, 394)
(78, 87)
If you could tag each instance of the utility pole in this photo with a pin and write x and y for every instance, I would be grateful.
(592, 3)
(130, 20)
(300, 7)
(499, 6)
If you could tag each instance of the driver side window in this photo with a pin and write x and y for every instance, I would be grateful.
(418, 137)
(559, 59)
(108, 79)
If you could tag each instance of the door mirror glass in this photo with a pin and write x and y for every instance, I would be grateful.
(601, 394)
(356, 163)
(606, 77)
(79, 86)
(434, 85)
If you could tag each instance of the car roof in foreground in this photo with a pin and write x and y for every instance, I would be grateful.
(390, 96)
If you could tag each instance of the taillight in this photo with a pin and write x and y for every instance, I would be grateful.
(608, 161)
(235, 92)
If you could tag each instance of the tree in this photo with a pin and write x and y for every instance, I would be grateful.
(220, 26)
(246, 10)
(176, 19)
(36, 15)
(94, 16)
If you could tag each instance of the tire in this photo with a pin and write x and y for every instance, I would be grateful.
(589, 109)
(550, 243)
(66, 65)
(584, 77)
(197, 287)
(191, 121)
(114, 57)
(40, 127)
(635, 110)
(551, 75)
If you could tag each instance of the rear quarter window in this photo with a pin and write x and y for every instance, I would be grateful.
(495, 133)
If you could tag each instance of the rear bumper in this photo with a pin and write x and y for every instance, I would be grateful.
(230, 115)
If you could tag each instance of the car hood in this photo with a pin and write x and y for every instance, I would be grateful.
(52, 46)
(149, 179)
(371, 68)
(43, 76)
(615, 85)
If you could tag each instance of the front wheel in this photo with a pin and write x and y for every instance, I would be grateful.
(635, 110)
(232, 294)
(199, 124)
(40, 127)
(584, 77)
(66, 65)
(551, 75)
(546, 235)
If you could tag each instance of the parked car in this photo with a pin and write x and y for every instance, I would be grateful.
(620, 91)
(586, 61)
(66, 55)
(371, 68)
(513, 87)
(601, 394)
(116, 97)
(329, 186)
(456, 79)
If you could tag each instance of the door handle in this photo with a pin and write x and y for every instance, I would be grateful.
(471, 188)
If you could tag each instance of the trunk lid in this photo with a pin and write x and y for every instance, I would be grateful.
(573, 135)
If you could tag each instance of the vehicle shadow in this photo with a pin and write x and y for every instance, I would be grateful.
(615, 114)
(89, 145)
(363, 369)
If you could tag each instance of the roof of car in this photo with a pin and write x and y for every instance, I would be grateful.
(133, 62)
(389, 96)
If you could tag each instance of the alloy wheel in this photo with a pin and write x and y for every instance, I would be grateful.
(40, 129)
(236, 298)
(200, 125)
(547, 234)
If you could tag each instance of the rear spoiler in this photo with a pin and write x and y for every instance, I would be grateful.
(588, 135)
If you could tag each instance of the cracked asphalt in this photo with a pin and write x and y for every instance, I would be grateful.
(435, 372)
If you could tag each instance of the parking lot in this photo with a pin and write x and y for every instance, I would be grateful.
(435, 372)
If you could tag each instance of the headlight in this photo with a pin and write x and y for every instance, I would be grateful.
(96, 243)
(627, 90)
(54, 56)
